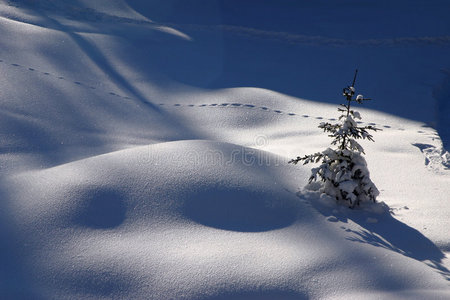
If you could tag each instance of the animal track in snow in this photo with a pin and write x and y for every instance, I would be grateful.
(76, 82)
(234, 105)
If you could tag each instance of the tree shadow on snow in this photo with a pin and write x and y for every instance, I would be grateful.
(233, 45)
(259, 295)
(15, 280)
(243, 209)
(380, 229)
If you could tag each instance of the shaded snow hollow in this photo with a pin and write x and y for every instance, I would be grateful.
(193, 219)
(119, 181)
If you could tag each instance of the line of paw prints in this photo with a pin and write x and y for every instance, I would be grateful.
(264, 108)
(291, 114)
(78, 83)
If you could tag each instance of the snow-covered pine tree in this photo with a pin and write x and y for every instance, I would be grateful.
(343, 170)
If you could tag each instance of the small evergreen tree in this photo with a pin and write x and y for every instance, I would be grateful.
(343, 170)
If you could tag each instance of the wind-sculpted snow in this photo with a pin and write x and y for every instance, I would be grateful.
(78, 11)
(197, 214)
(144, 149)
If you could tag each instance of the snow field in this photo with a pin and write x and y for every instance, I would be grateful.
(118, 181)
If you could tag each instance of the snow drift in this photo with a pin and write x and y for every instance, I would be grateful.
(131, 169)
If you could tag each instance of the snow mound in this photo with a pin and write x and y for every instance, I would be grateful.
(144, 149)
(194, 220)
(183, 179)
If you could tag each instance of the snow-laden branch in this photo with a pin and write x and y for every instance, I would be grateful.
(343, 170)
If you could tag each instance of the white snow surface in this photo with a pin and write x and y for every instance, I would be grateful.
(119, 182)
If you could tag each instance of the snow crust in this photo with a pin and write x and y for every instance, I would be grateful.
(119, 181)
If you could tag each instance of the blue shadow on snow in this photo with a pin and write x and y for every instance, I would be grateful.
(386, 232)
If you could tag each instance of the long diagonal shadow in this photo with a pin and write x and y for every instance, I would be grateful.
(383, 230)
(99, 59)
(394, 235)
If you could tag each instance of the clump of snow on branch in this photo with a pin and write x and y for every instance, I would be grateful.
(343, 171)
